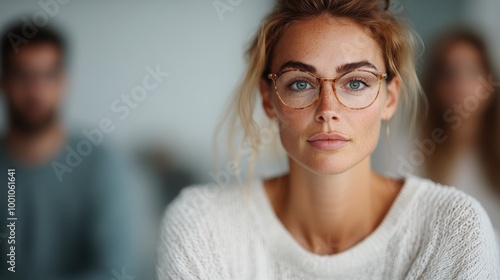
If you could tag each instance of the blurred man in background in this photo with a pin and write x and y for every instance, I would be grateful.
(73, 213)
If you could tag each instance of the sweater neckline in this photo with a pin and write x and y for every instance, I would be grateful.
(286, 248)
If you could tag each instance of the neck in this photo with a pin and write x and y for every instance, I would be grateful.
(37, 148)
(330, 213)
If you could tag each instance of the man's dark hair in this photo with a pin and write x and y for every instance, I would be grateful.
(20, 34)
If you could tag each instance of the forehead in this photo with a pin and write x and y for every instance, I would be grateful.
(42, 54)
(462, 53)
(326, 43)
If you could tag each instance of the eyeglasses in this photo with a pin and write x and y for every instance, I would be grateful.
(300, 89)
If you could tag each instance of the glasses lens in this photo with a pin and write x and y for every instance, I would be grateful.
(357, 89)
(297, 89)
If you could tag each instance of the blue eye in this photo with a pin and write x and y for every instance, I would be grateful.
(300, 85)
(356, 85)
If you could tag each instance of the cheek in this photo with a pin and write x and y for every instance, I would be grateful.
(366, 128)
(292, 125)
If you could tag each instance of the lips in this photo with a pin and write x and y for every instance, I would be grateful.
(328, 141)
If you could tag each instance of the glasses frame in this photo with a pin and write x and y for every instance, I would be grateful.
(275, 77)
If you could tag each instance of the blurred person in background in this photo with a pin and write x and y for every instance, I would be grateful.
(329, 72)
(78, 216)
(465, 103)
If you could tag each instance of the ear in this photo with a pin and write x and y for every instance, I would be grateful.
(391, 101)
(266, 91)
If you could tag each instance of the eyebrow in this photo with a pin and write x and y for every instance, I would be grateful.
(340, 69)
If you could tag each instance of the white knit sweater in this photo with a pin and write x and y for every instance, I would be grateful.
(430, 232)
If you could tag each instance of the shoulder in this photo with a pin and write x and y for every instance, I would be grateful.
(450, 208)
(461, 237)
(87, 155)
(449, 216)
(440, 211)
(447, 201)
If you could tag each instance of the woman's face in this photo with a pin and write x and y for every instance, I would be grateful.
(327, 138)
(458, 78)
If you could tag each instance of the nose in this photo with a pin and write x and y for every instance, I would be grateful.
(328, 106)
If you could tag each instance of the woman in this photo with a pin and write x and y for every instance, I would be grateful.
(328, 72)
(470, 156)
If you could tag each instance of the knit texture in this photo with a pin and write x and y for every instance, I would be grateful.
(430, 232)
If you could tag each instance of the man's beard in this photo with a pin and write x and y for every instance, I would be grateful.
(23, 125)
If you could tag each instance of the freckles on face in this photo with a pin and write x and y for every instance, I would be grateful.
(327, 44)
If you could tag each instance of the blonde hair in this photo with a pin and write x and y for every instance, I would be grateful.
(397, 42)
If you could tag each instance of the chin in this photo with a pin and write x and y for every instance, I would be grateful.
(327, 163)
(330, 167)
